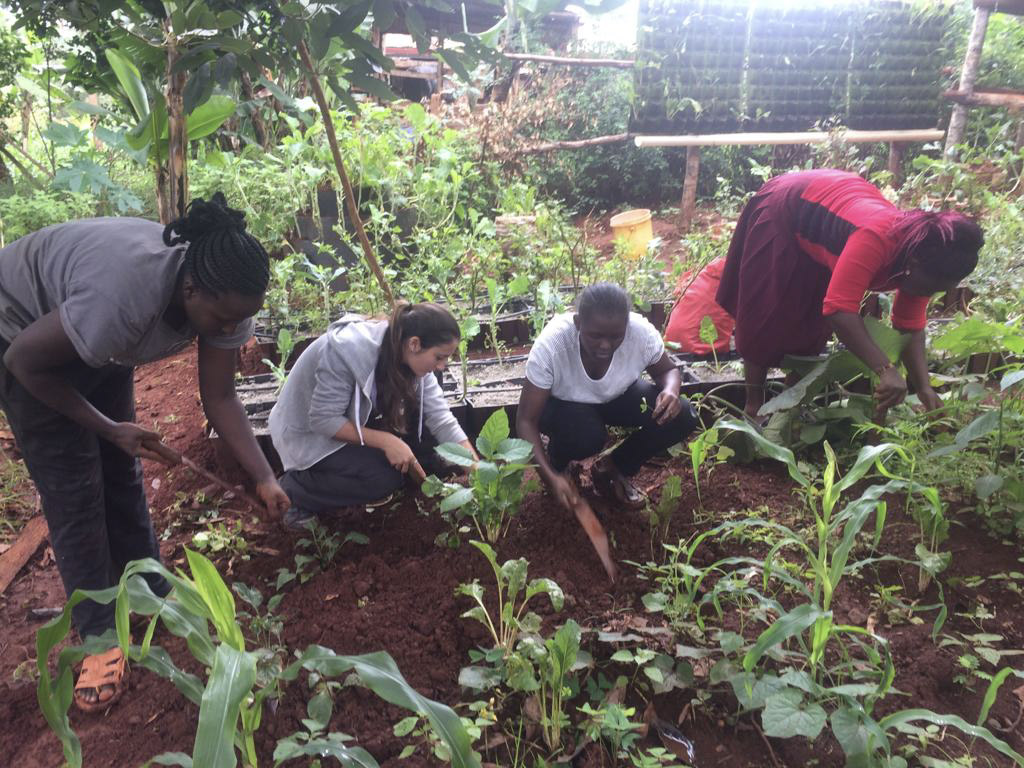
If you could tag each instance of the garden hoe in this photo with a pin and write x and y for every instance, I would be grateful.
(591, 525)
(596, 533)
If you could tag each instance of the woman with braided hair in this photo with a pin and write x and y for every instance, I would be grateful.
(808, 246)
(349, 422)
(81, 304)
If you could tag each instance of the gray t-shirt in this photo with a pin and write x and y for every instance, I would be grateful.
(555, 363)
(111, 279)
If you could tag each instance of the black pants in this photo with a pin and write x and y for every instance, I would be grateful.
(91, 491)
(578, 430)
(355, 475)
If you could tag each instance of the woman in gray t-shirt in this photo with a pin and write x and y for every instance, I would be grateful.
(583, 374)
(81, 303)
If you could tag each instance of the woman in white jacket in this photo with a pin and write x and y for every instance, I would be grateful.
(349, 422)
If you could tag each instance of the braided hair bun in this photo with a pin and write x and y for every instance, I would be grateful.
(221, 256)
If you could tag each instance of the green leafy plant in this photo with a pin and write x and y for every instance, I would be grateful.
(709, 335)
(230, 699)
(497, 297)
(285, 345)
(818, 406)
(511, 618)
(705, 447)
(611, 723)
(496, 486)
(224, 538)
(548, 678)
(319, 550)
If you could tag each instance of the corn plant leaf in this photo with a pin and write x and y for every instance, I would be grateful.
(993, 689)
(866, 458)
(786, 626)
(910, 715)
(160, 662)
(787, 714)
(218, 598)
(378, 672)
(231, 679)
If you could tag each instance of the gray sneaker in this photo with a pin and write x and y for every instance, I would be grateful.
(298, 520)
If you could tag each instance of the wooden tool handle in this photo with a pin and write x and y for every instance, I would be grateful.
(186, 461)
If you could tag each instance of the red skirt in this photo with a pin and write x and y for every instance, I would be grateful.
(772, 288)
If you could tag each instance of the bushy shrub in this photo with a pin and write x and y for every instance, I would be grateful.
(22, 212)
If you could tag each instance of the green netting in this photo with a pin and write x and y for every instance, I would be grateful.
(709, 66)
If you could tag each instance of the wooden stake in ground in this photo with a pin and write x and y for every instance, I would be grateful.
(350, 199)
(688, 204)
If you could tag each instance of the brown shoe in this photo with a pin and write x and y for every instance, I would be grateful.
(611, 484)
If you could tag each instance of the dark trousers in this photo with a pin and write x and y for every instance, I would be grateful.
(91, 491)
(355, 475)
(578, 430)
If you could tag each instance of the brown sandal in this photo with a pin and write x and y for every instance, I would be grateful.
(616, 488)
(99, 671)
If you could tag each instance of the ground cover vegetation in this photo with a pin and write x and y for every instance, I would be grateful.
(837, 589)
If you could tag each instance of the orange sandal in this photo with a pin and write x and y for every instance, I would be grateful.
(100, 671)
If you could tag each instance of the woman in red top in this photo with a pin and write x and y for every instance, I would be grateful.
(808, 246)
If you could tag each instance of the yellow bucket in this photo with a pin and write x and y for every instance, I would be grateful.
(635, 228)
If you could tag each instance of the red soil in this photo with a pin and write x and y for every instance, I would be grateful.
(397, 594)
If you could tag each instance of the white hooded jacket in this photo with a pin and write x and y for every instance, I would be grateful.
(332, 383)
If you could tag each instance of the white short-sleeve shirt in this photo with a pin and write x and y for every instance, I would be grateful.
(555, 361)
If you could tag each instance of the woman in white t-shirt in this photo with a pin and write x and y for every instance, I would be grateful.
(583, 375)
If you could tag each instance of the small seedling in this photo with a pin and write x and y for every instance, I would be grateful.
(285, 346)
(321, 547)
(709, 335)
(660, 516)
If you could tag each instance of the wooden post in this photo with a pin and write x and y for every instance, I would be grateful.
(688, 204)
(896, 149)
(968, 76)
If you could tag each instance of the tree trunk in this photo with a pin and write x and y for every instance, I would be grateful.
(26, 120)
(177, 136)
(968, 76)
(163, 205)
